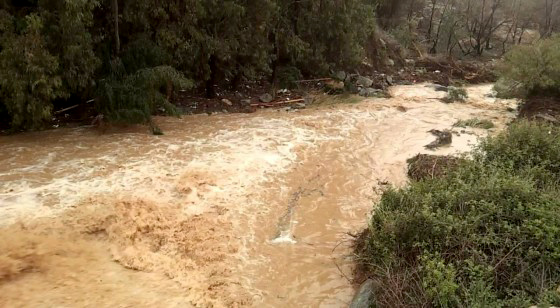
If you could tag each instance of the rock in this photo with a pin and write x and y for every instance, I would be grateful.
(443, 138)
(266, 98)
(370, 92)
(410, 62)
(227, 102)
(340, 75)
(334, 86)
(389, 80)
(364, 297)
(440, 88)
(390, 62)
(547, 118)
(299, 106)
(364, 82)
(245, 102)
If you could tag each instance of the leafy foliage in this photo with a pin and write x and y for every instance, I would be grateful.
(29, 74)
(484, 235)
(134, 98)
(531, 69)
(455, 94)
(73, 48)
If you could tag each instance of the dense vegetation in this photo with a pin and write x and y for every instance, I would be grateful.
(53, 51)
(485, 234)
(531, 70)
(56, 53)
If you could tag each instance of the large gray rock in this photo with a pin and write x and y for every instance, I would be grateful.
(266, 98)
(440, 88)
(370, 92)
(365, 296)
(364, 82)
(340, 75)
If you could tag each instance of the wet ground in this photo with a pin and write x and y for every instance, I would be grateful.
(226, 210)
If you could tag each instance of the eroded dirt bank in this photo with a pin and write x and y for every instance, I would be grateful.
(227, 210)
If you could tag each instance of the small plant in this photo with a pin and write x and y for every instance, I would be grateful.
(455, 94)
(476, 123)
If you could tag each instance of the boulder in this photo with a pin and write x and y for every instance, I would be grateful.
(440, 88)
(340, 75)
(364, 298)
(364, 82)
(266, 98)
(245, 102)
(370, 92)
(389, 80)
(227, 102)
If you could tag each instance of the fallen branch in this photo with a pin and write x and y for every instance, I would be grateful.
(279, 103)
(311, 80)
(72, 107)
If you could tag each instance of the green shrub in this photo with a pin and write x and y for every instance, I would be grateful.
(455, 94)
(134, 98)
(475, 122)
(525, 148)
(530, 69)
(29, 77)
(484, 235)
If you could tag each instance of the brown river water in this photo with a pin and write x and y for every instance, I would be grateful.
(229, 210)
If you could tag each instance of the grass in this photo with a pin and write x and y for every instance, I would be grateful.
(484, 234)
(476, 123)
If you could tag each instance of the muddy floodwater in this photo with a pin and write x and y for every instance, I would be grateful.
(229, 210)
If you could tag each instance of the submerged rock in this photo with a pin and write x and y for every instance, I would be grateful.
(370, 92)
(364, 298)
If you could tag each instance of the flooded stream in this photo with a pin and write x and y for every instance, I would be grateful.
(223, 210)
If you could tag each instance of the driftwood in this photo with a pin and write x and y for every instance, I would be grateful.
(313, 80)
(71, 107)
(278, 103)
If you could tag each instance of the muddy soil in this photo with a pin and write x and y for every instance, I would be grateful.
(541, 108)
(232, 210)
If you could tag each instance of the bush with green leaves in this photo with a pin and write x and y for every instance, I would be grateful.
(134, 98)
(530, 69)
(29, 75)
(484, 235)
(455, 94)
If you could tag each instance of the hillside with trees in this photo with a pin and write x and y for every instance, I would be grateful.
(128, 57)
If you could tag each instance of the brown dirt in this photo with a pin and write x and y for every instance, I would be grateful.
(424, 166)
(541, 108)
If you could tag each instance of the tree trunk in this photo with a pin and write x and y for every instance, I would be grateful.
(210, 90)
(116, 20)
